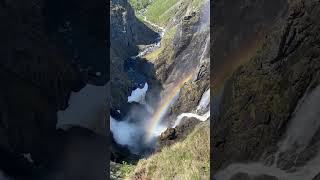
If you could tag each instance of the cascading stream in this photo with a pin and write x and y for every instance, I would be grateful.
(204, 105)
(303, 126)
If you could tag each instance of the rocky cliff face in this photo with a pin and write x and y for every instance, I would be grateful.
(185, 49)
(239, 28)
(127, 32)
(261, 96)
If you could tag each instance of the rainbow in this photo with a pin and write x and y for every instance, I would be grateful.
(164, 106)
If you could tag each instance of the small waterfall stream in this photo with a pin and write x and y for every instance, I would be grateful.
(204, 105)
(302, 128)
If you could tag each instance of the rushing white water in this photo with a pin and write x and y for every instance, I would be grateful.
(205, 17)
(203, 105)
(304, 124)
(138, 95)
(204, 102)
(200, 118)
(205, 51)
(302, 128)
(157, 44)
(307, 172)
(86, 109)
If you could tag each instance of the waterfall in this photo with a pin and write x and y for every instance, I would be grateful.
(203, 105)
(303, 126)
(204, 102)
(200, 118)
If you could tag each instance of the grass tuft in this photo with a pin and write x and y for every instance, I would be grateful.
(189, 159)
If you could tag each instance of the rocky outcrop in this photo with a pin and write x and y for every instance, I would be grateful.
(177, 134)
(260, 97)
(178, 55)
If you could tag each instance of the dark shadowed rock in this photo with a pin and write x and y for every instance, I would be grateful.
(261, 95)
(126, 33)
(179, 133)
(39, 69)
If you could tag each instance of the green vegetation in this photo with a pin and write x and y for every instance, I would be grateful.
(120, 170)
(197, 4)
(126, 169)
(160, 11)
(139, 4)
(166, 48)
(189, 159)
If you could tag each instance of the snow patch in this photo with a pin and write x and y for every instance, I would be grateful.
(138, 95)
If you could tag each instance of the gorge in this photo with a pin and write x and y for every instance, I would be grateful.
(166, 75)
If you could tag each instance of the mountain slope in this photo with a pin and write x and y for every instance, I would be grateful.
(188, 159)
